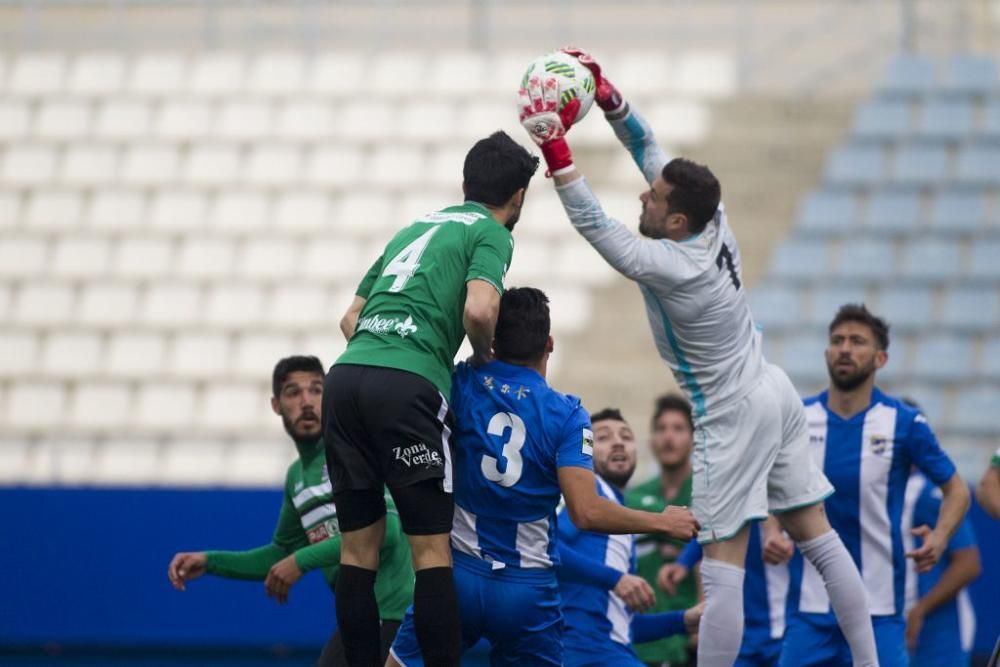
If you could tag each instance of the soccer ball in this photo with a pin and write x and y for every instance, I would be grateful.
(575, 80)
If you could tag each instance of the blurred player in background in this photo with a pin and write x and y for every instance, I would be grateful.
(671, 442)
(519, 443)
(386, 418)
(940, 622)
(307, 536)
(867, 442)
(751, 444)
(988, 490)
(600, 624)
(765, 590)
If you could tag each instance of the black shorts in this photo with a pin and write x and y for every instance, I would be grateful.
(387, 427)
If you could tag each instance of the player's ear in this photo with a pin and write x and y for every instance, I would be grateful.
(881, 359)
(517, 200)
(463, 189)
(550, 345)
(275, 405)
(677, 223)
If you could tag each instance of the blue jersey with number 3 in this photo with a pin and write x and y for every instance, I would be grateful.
(513, 432)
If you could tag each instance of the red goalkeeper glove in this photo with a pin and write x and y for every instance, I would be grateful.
(538, 110)
(605, 93)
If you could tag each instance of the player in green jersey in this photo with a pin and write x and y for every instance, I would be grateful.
(386, 419)
(988, 489)
(307, 536)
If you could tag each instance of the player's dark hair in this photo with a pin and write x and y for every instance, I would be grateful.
(607, 413)
(696, 192)
(523, 325)
(495, 168)
(672, 403)
(293, 364)
(858, 312)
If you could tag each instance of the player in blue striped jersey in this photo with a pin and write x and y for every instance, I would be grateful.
(518, 444)
(866, 442)
(600, 626)
(765, 591)
(940, 621)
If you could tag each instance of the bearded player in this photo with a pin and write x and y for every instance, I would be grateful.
(752, 445)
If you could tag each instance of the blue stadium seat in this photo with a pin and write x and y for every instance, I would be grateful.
(882, 120)
(856, 165)
(942, 359)
(971, 308)
(775, 307)
(908, 75)
(920, 165)
(800, 260)
(866, 260)
(979, 164)
(824, 303)
(826, 213)
(893, 212)
(803, 359)
(906, 308)
(957, 211)
(949, 119)
(976, 410)
(989, 366)
(991, 120)
(931, 260)
(983, 264)
(968, 74)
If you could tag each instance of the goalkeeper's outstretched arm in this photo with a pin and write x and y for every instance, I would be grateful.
(636, 136)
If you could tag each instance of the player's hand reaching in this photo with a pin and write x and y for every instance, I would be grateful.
(777, 548)
(605, 93)
(679, 522)
(538, 109)
(669, 576)
(929, 553)
(692, 618)
(635, 592)
(185, 567)
(281, 578)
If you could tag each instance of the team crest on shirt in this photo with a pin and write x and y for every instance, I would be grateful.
(878, 444)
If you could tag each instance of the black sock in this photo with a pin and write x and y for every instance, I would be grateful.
(357, 616)
(435, 617)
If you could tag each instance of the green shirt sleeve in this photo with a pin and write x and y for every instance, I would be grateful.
(321, 554)
(365, 288)
(494, 247)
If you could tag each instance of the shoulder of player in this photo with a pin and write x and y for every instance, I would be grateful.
(293, 475)
(907, 416)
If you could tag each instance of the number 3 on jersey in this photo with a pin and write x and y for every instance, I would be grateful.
(500, 422)
(406, 263)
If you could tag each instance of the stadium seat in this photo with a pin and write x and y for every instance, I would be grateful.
(144, 257)
(123, 120)
(192, 462)
(23, 257)
(239, 211)
(182, 120)
(571, 308)
(268, 258)
(678, 122)
(975, 410)
(62, 120)
(444, 170)
(971, 309)
(212, 165)
(43, 304)
(327, 344)
(27, 165)
(230, 305)
(991, 120)
(931, 260)
(427, 121)
(396, 73)
(75, 257)
(478, 119)
(301, 305)
(167, 304)
(305, 120)
(53, 209)
(969, 74)
(396, 166)
(824, 302)
(644, 72)
(157, 74)
(273, 165)
(856, 165)
(531, 263)
(803, 359)
(257, 464)
(893, 211)
(706, 73)
(127, 462)
(334, 166)
(882, 120)
(100, 405)
(149, 164)
(243, 120)
(71, 354)
(452, 74)
(65, 460)
(35, 404)
(37, 73)
(983, 264)
(15, 120)
(88, 165)
(334, 72)
(256, 354)
(579, 263)
(957, 211)
(115, 208)
(334, 259)
(908, 75)
(230, 407)
(199, 355)
(942, 359)
(865, 260)
(929, 397)
(205, 258)
(107, 304)
(18, 352)
(800, 260)
(15, 455)
(774, 307)
(826, 213)
(97, 73)
(920, 165)
(178, 211)
(136, 355)
(217, 73)
(165, 406)
(989, 366)
(366, 121)
(907, 309)
(277, 73)
(979, 164)
(949, 119)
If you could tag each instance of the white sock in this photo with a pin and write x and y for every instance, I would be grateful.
(847, 594)
(721, 630)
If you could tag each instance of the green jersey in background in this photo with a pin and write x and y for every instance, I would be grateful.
(412, 319)
(648, 496)
(307, 527)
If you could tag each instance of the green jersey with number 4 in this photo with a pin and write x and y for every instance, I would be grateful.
(412, 319)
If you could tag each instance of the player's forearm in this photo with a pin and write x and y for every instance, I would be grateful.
(650, 627)
(321, 554)
(252, 565)
(690, 555)
(954, 504)
(988, 492)
(964, 567)
(637, 137)
(604, 516)
(575, 567)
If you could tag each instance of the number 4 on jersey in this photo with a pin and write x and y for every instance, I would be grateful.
(406, 263)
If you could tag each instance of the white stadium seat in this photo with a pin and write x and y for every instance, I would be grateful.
(126, 461)
(366, 121)
(107, 304)
(334, 260)
(230, 407)
(457, 73)
(364, 214)
(397, 73)
(427, 121)
(157, 74)
(28, 164)
(328, 345)
(642, 72)
(184, 120)
(72, 354)
(396, 166)
(268, 258)
(206, 258)
(136, 355)
(54, 209)
(18, 352)
(256, 354)
(305, 120)
(10, 209)
(706, 73)
(100, 406)
(69, 461)
(302, 210)
(217, 74)
(97, 73)
(143, 257)
(22, 257)
(192, 462)
(123, 119)
(63, 120)
(273, 165)
(43, 303)
(234, 305)
(334, 166)
(77, 257)
(85, 165)
(37, 73)
(165, 406)
(444, 169)
(243, 120)
(257, 464)
(15, 460)
(212, 165)
(116, 208)
(239, 211)
(149, 164)
(15, 119)
(301, 305)
(277, 73)
(178, 210)
(200, 355)
(35, 404)
(171, 305)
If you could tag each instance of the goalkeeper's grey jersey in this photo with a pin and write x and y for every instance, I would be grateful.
(693, 290)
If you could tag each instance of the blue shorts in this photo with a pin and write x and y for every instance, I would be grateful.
(517, 611)
(606, 653)
(758, 650)
(815, 640)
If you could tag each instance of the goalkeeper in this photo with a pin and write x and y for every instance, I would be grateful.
(307, 536)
